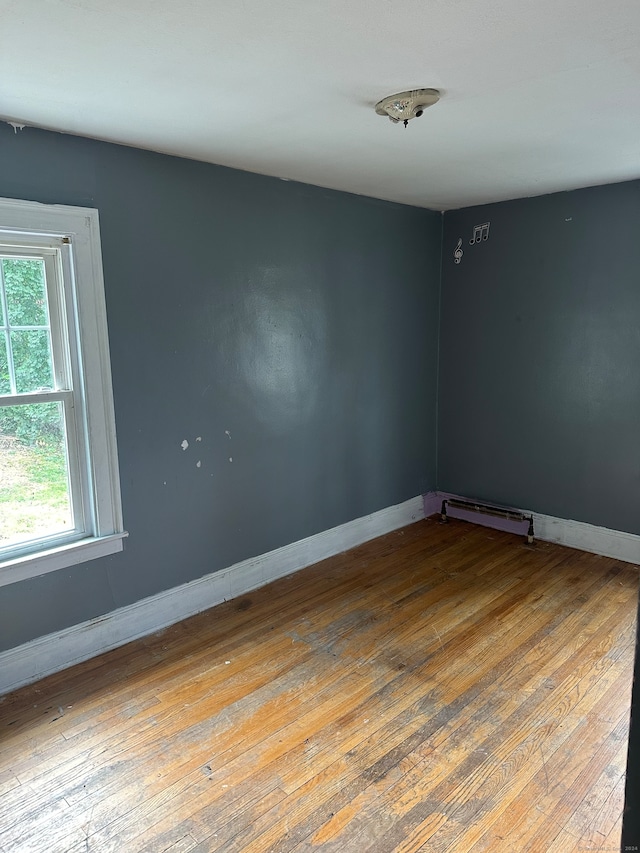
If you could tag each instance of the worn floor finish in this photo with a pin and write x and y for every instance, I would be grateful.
(443, 688)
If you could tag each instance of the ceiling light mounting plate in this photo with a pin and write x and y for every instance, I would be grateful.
(407, 105)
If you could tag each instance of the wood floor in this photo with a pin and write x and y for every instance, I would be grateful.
(442, 688)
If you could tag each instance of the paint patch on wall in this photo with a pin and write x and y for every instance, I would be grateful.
(184, 444)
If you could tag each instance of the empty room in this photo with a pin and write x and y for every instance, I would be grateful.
(319, 426)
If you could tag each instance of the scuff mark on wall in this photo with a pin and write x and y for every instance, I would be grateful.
(184, 444)
(198, 464)
(199, 438)
(226, 432)
(231, 459)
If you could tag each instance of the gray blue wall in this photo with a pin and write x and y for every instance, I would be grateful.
(305, 323)
(539, 382)
(302, 321)
(539, 403)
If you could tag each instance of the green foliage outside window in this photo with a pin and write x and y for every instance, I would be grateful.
(26, 300)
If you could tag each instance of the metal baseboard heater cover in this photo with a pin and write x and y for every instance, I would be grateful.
(487, 509)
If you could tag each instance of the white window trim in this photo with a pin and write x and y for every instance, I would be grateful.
(81, 226)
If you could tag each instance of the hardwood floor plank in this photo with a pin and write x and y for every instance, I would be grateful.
(138, 748)
(8, 782)
(552, 748)
(564, 842)
(220, 823)
(532, 817)
(458, 805)
(328, 807)
(130, 801)
(230, 770)
(581, 783)
(445, 687)
(614, 839)
(222, 688)
(595, 829)
(603, 803)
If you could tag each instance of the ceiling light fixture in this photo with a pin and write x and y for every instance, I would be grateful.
(407, 105)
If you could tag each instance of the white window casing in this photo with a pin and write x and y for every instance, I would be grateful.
(67, 239)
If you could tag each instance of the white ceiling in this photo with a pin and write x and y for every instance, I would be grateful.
(536, 96)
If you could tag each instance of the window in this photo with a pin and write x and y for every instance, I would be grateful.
(59, 484)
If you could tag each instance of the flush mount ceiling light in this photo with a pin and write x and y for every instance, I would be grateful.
(407, 105)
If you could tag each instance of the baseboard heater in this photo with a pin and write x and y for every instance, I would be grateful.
(487, 509)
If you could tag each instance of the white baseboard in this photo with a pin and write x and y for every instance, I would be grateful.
(574, 534)
(587, 537)
(46, 655)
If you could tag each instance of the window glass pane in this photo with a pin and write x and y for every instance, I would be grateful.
(5, 384)
(34, 479)
(32, 360)
(26, 292)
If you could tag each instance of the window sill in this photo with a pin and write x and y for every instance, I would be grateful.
(61, 557)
